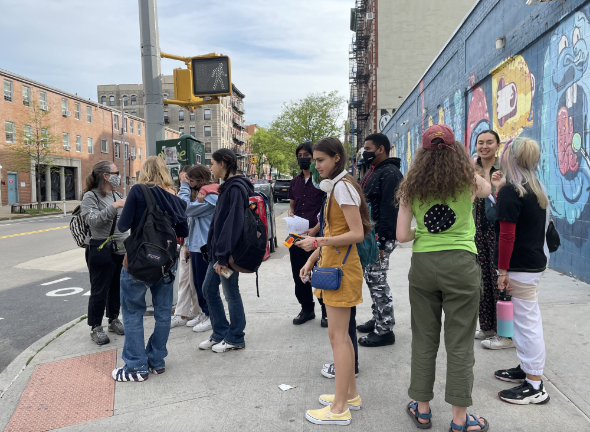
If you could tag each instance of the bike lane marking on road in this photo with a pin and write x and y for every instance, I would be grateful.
(55, 281)
(34, 232)
(58, 292)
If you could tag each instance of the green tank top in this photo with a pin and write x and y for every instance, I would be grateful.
(447, 226)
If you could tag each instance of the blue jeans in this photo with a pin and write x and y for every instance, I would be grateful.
(137, 357)
(200, 267)
(232, 333)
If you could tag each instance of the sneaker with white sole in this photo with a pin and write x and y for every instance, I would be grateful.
(497, 343)
(484, 334)
(353, 404)
(208, 344)
(223, 346)
(325, 416)
(196, 320)
(122, 375)
(203, 325)
(329, 372)
(513, 375)
(525, 394)
(177, 321)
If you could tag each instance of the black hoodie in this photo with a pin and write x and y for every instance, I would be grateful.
(228, 219)
(380, 186)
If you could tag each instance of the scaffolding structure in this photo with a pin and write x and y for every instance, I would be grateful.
(359, 72)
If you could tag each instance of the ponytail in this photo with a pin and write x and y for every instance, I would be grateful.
(228, 157)
(96, 178)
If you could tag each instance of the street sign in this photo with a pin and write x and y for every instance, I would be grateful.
(211, 76)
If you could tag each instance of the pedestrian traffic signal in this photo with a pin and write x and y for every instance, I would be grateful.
(211, 75)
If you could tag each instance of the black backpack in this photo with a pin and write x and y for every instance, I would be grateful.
(250, 250)
(151, 247)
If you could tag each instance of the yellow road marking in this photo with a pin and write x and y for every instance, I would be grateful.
(35, 232)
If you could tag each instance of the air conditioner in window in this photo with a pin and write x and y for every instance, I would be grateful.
(68, 113)
(370, 15)
(43, 106)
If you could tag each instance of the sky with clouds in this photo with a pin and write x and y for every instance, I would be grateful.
(281, 50)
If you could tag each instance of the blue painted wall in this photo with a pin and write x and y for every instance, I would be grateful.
(537, 86)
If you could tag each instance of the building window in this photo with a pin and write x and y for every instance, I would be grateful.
(103, 100)
(125, 101)
(90, 146)
(45, 137)
(43, 100)
(76, 110)
(112, 100)
(104, 146)
(89, 114)
(126, 150)
(133, 100)
(192, 116)
(117, 154)
(66, 141)
(132, 151)
(78, 143)
(26, 96)
(181, 115)
(207, 147)
(193, 131)
(139, 155)
(124, 124)
(166, 134)
(8, 91)
(28, 135)
(116, 122)
(181, 130)
(139, 129)
(166, 116)
(64, 108)
(132, 126)
(134, 113)
(207, 130)
(207, 114)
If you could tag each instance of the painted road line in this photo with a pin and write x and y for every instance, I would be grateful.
(34, 232)
(55, 281)
(64, 292)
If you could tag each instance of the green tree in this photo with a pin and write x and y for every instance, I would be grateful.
(316, 116)
(269, 147)
(34, 146)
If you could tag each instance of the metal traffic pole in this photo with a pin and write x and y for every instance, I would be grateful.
(124, 181)
(151, 72)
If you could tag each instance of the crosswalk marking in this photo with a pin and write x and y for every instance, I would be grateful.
(55, 281)
(34, 232)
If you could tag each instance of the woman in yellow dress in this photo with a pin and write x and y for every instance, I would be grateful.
(345, 223)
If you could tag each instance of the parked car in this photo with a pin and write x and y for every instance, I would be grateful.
(281, 190)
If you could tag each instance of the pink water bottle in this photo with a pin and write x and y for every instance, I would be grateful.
(505, 315)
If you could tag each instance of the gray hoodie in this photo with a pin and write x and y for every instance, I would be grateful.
(99, 215)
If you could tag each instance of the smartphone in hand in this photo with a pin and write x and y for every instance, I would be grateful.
(226, 273)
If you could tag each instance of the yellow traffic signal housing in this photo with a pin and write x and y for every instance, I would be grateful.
(182, 85)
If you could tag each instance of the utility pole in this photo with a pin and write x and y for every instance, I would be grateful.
(123, 149)
(151, 71)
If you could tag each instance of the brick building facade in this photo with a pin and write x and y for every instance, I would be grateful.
(88, 132)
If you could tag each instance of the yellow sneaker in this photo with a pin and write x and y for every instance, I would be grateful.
(326, 417)
(353, 404)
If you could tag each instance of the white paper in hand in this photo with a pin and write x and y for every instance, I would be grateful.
(296, 225)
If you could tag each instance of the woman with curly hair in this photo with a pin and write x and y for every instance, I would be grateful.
(439, 190)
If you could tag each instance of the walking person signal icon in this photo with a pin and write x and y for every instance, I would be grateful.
(211, 76)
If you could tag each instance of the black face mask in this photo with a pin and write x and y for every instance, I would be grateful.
(304, 163)
(368, 156)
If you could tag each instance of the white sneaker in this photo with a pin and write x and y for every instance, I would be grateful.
(497, 342)
(484, 334)
(223, 346)
(177, 320)
(208, 344)
(204, 325)
(196, 320)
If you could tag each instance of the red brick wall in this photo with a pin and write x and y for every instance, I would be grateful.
(100, 128)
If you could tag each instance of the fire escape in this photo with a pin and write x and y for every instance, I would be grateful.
(359, 71)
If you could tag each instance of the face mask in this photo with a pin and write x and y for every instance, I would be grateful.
(368, 156)
(304, 163)
(115, 180)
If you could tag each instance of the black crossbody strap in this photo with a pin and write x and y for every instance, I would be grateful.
(114, 220)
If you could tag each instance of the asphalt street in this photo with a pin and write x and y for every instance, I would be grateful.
(36, 270)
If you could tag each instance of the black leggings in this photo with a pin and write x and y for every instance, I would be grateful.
(352, 334)
(105, 285)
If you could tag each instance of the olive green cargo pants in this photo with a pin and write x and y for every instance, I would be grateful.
(448, 281)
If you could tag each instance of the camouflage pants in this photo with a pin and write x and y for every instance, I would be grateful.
(376, 277)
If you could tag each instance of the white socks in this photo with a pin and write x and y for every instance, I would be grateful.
(536, 384)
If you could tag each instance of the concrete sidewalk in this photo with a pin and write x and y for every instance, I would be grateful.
(68, 382)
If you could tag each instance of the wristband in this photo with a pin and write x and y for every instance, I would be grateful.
(315, 243)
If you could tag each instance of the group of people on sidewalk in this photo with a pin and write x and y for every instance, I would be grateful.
(460, 259)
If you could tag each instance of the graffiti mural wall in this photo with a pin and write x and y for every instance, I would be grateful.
(539, 89)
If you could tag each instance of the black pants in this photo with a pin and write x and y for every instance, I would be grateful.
(105, 285)
(352, 334)
(303, 291)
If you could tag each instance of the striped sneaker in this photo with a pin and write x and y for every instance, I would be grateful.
(158, 371)
(121, 375)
